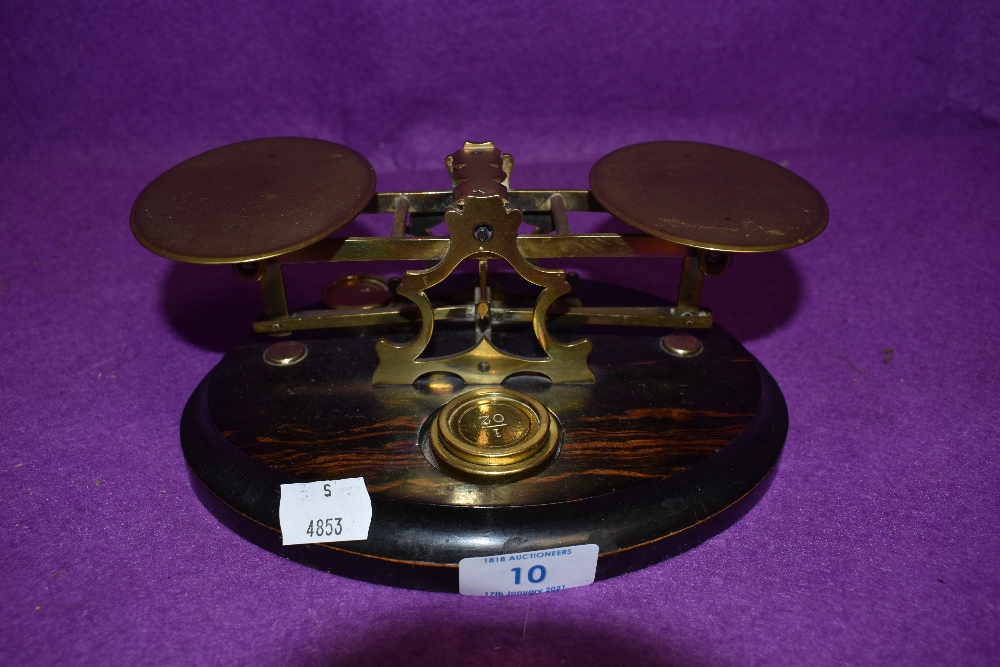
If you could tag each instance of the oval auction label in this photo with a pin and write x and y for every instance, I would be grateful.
(529, 572)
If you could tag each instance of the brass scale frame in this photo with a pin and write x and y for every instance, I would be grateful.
(480, 196)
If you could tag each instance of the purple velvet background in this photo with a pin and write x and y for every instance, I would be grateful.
(878, 541)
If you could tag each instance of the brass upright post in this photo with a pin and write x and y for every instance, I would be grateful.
(689, 291)
(272, 291)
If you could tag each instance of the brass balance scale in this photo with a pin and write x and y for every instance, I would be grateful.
(485, 417)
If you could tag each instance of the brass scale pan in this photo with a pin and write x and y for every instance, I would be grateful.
(252, 200)
(266, 197)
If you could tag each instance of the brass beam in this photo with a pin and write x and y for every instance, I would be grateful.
(528, 201)
(377, 248)
(667, 317)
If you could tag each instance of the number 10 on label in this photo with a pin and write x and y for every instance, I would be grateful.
(536, 574)
(528, 572)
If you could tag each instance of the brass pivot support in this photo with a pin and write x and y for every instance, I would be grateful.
(483, 228)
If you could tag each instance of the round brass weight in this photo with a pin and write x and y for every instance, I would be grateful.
(493, 435)
(357, 292)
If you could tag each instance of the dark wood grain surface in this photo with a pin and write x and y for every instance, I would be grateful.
(648, 416)
(653, 453)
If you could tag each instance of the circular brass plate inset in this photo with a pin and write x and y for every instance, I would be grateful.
(493, 435)
(285, 353)
(357, 292)
(252, 200)
(707, 196)
(681, 344)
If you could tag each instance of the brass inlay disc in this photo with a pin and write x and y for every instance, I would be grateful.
(285, 353)
(681, 344)
(710, 197)
(252, 200)
(493, 435)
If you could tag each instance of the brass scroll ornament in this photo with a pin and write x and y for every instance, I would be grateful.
(483, 228)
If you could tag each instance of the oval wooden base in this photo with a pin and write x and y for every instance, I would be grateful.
(658, 454)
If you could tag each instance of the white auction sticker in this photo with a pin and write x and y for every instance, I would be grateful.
(528, 573)
(334, 511)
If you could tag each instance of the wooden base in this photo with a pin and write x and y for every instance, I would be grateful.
(657, 455)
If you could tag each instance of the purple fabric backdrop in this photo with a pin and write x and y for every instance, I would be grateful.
(878, 541)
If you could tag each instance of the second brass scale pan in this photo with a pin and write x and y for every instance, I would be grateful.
(706, 196)
(673, 438)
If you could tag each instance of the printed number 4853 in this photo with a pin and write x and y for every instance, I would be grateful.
(321, 527)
